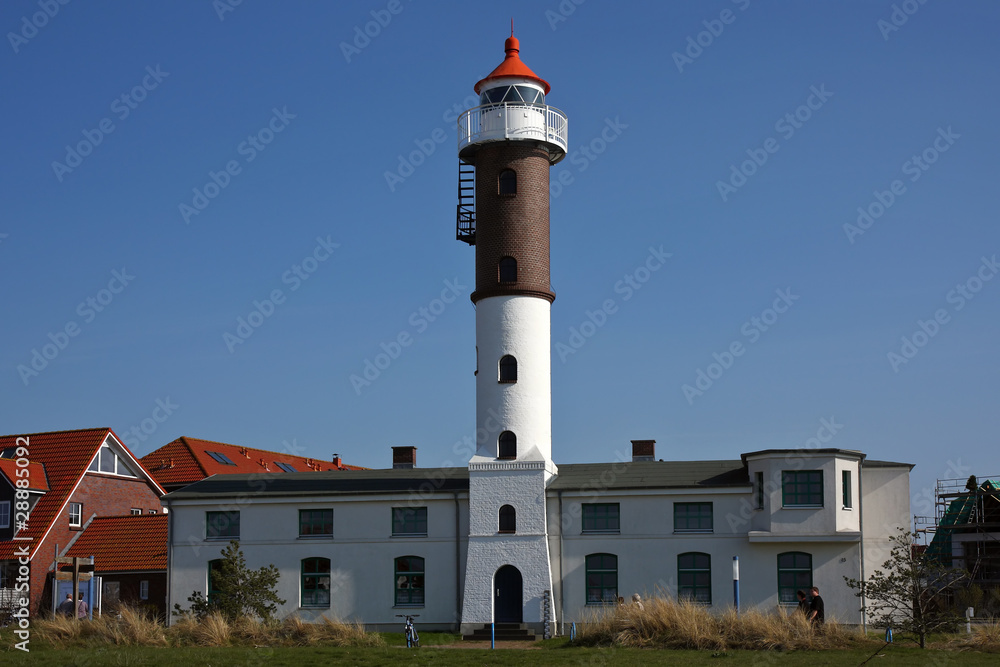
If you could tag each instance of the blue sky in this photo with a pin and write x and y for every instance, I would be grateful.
(739, 137)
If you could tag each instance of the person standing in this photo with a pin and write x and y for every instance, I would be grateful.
(81, 608)
(816, 611)
(803, 603)
(66, 607)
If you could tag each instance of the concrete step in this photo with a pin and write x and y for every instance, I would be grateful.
(508, 632)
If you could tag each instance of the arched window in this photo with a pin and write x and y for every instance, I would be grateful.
(508, 270)
(508, 519)
(507, 446)
(602, 579)
(694, 577)
(409, 574)
(795, 573)
(315, 582)
(508, 369)
(507, 183)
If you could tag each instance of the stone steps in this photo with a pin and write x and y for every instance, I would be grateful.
(504, 632)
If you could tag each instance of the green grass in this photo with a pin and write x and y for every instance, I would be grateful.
(553, 652)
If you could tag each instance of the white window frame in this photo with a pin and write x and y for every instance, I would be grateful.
(118, 462)
(144, 589)
(79, 515)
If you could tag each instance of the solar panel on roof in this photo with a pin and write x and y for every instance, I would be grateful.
(284, 466)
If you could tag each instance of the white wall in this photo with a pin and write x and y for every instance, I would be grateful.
(647, 550)
(519, 326)
(527, 549)
(362, 549)
(362, 553)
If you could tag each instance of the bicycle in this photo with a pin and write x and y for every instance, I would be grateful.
(409, 631)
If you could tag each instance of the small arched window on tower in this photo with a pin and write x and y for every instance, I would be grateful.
(507, 446)
(507, 183)
(508, 369)
(508, 519)
(508, 270)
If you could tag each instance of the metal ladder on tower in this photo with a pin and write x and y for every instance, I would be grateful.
(465, 227)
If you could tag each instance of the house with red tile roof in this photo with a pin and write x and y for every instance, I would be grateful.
(130, 556)
(51, 486)
(188, 460)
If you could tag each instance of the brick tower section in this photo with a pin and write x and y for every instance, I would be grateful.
(513, 225)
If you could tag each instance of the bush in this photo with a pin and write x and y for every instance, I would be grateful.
(130, 627)
(239, 591)
(136, 628)
(665, 623)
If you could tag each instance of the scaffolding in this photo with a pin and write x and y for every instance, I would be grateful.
(966, 511)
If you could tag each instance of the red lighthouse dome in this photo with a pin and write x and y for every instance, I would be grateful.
(513, 66)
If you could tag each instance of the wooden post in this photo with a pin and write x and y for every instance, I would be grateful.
(83, 570)
(76, 587)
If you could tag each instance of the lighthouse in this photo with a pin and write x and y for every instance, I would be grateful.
(506, 146)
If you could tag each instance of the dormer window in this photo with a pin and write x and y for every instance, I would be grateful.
(507, 183)
(508, 270)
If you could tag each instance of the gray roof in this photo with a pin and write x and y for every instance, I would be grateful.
(650, 475)
(830, 451)
(587, 477)
(348, 482)
(871, 463)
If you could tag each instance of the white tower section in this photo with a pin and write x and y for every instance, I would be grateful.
(517, 327)
(511, 139)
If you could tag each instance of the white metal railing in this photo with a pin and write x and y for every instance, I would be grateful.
(496, 122)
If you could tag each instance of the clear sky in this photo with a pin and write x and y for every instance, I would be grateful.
(168, 166)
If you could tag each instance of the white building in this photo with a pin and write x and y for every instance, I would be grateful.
(368, 545)
(512, 537)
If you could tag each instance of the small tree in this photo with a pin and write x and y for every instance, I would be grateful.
(911, 592)
(238, 590)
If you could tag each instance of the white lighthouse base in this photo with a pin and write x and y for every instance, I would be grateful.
(521, 485)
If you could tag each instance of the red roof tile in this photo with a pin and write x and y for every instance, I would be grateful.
(188, 460)
(124, 543)
(36, 474)
(65, 456)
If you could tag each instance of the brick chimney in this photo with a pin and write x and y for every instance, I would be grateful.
(643, 450)
(336, 461)
(404, 457)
